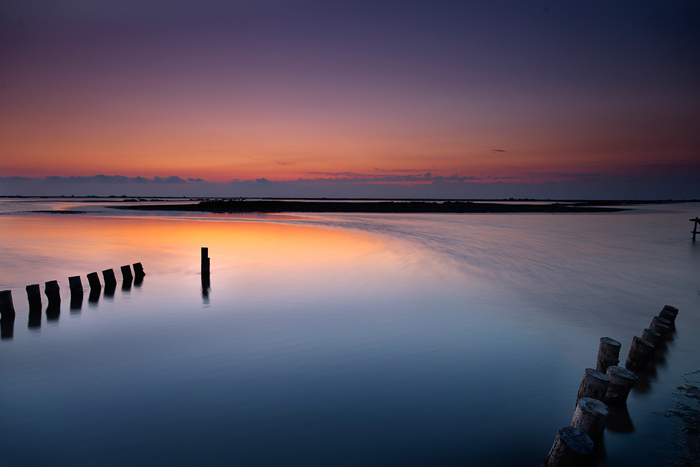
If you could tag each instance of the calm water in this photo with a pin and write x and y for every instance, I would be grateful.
(338, 339)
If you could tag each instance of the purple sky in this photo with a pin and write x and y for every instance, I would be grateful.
(566, 99)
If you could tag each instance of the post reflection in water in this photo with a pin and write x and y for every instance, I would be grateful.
(126, 284)
(76, 302)
(109, 291)
(94, 296)
(53, 310)
(206, 286)
(34, 314)
(7, 325)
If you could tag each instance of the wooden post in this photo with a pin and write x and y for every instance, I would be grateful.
(94, 281)
(52, 291)
(594, 384)
(590, 416)
(621, 382)
(205, 261)
(671, 309)
(695, 226)
(7, 308)
(660, 328)
(652, 336)
(109, 277)
(572, 448)
(671, 317)
(75, 285)
(641, 352)
(138, 270)
(608, 354)
(661, 320)
(126, 274)
(34, 298)
(34, 295)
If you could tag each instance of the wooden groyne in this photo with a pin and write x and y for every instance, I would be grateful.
(52, 290)
(606, 385)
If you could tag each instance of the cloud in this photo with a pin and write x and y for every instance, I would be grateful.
(171, 179)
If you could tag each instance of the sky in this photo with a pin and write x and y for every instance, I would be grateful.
(436, 99)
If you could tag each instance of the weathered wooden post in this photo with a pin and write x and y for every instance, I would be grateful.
(651, 336)
(76, 292)
(640, 353)
(34, 295)
(94, 281)
(138, 270)
(34, 298)
(52, 291)
(109, 277)
(608, 354)
(572, 448)
(670, 309)
(205, 261)
(621, 382)
(695, 226)
(126, 274)
(594, 384)
(590, 416)
(669, 316)
(662, 329)
(7, 308)
(75, 285)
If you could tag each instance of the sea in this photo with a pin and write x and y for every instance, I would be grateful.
(340, 339)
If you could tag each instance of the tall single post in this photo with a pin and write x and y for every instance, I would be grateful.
(205, 261)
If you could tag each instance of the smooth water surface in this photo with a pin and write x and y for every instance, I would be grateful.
(338, 339)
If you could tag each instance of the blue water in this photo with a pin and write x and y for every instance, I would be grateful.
(338, 339)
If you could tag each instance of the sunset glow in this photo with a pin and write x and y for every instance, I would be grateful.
(520, 93)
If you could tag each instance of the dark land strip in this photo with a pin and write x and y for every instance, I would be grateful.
(269, 206)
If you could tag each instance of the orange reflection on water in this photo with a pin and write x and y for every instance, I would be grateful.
(47, 247)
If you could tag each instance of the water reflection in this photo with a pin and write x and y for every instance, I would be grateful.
(76, 301)
(619, 420)
(109, 290)
(53, 310)
(94, 296)
(7, 326)
(126, 284)
(206, 287)
(34, 314)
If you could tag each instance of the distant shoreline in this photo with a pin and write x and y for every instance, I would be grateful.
(407, 207)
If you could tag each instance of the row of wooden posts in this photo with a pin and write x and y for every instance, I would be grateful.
(52, 289)
(609, 384)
